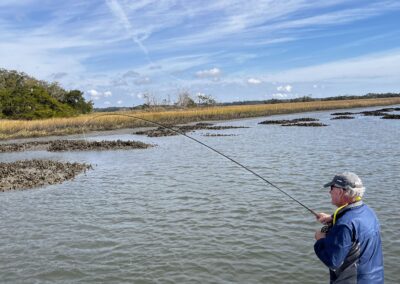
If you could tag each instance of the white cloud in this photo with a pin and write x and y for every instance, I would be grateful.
(95, 95)
(178, 63)
(279, 96)
(107, 103)
(211, 73)
(286, 88)
(248, 24)
(382, 67)
(119, 102)
(254, 81)
(73, 36)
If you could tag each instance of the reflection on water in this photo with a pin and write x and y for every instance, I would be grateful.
(179, 213)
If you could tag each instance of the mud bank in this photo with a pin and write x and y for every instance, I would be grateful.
(342, 117)
(343, 113)
(383, 112)
(218, 135)
(304, 121)
(160, 131)
(286, 121)
(27, 146)
(303, 124)
(28, 174)
(72, 145)
(81, 145)
(391, 116)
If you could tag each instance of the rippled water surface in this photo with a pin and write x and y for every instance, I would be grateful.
(179, 213)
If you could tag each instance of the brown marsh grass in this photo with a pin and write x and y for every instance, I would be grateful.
(10, 129)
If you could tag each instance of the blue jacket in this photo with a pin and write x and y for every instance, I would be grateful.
(352, 248)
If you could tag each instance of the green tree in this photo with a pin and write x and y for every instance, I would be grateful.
(206, 99)
(24, 97)
(76, 100)
(35, 103)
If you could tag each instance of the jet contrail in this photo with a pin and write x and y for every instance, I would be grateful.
(117, 10)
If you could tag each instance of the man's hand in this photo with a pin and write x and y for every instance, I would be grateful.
(319, 235)
(324, 218)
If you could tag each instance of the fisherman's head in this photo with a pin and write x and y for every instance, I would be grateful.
(345, 188)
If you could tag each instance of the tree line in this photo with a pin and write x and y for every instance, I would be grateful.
(311, 99)
(24, 97)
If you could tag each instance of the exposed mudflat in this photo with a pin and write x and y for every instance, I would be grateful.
(304, 121)
(391, 116)
(373, 113)
(28, 174)
(342, 117)
(176, 130)
(383, 112)
(35, 173)
(218, 135)
(72, 145)
(289, 121)
(305, 124)
(27, 146)
(81, 145)
(343, 113)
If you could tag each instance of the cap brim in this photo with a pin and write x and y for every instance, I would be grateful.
(329, 184)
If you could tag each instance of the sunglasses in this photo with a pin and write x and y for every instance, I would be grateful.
(332, 187)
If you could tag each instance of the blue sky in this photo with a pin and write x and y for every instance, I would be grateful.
(118, 50)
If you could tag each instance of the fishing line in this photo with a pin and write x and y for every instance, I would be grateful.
(119, 12)
(207, 146)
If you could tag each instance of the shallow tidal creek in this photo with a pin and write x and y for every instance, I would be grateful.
(179, 213)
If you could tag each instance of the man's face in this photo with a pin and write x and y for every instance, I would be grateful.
(336, 195)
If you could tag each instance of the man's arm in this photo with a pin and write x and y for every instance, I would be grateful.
(333, 249)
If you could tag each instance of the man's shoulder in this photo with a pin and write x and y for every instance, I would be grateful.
(361, 217)
(365, 210)
(361, 211)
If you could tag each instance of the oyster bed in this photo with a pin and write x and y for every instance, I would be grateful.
(28, 174)
(72, 145)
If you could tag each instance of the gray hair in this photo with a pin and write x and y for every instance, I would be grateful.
(357, 191)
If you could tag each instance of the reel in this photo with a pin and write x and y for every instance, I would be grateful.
(325, 229)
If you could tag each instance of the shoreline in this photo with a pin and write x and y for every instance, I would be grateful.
(27, 174)
(100, 123)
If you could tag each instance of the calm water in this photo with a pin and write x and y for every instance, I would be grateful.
(179, 213)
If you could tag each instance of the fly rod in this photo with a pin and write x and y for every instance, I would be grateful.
(210, 148)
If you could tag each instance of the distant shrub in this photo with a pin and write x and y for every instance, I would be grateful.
(24, 97)
(35, 103)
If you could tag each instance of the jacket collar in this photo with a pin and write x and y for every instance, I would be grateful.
(341, 210)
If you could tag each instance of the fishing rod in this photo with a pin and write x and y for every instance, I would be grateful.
(210, 148)
(146, 53)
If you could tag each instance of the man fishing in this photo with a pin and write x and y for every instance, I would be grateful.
(351, 244)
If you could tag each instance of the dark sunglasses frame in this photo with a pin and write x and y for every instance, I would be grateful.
(332, 187)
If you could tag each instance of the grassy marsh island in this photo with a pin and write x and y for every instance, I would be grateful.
(11, 129)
